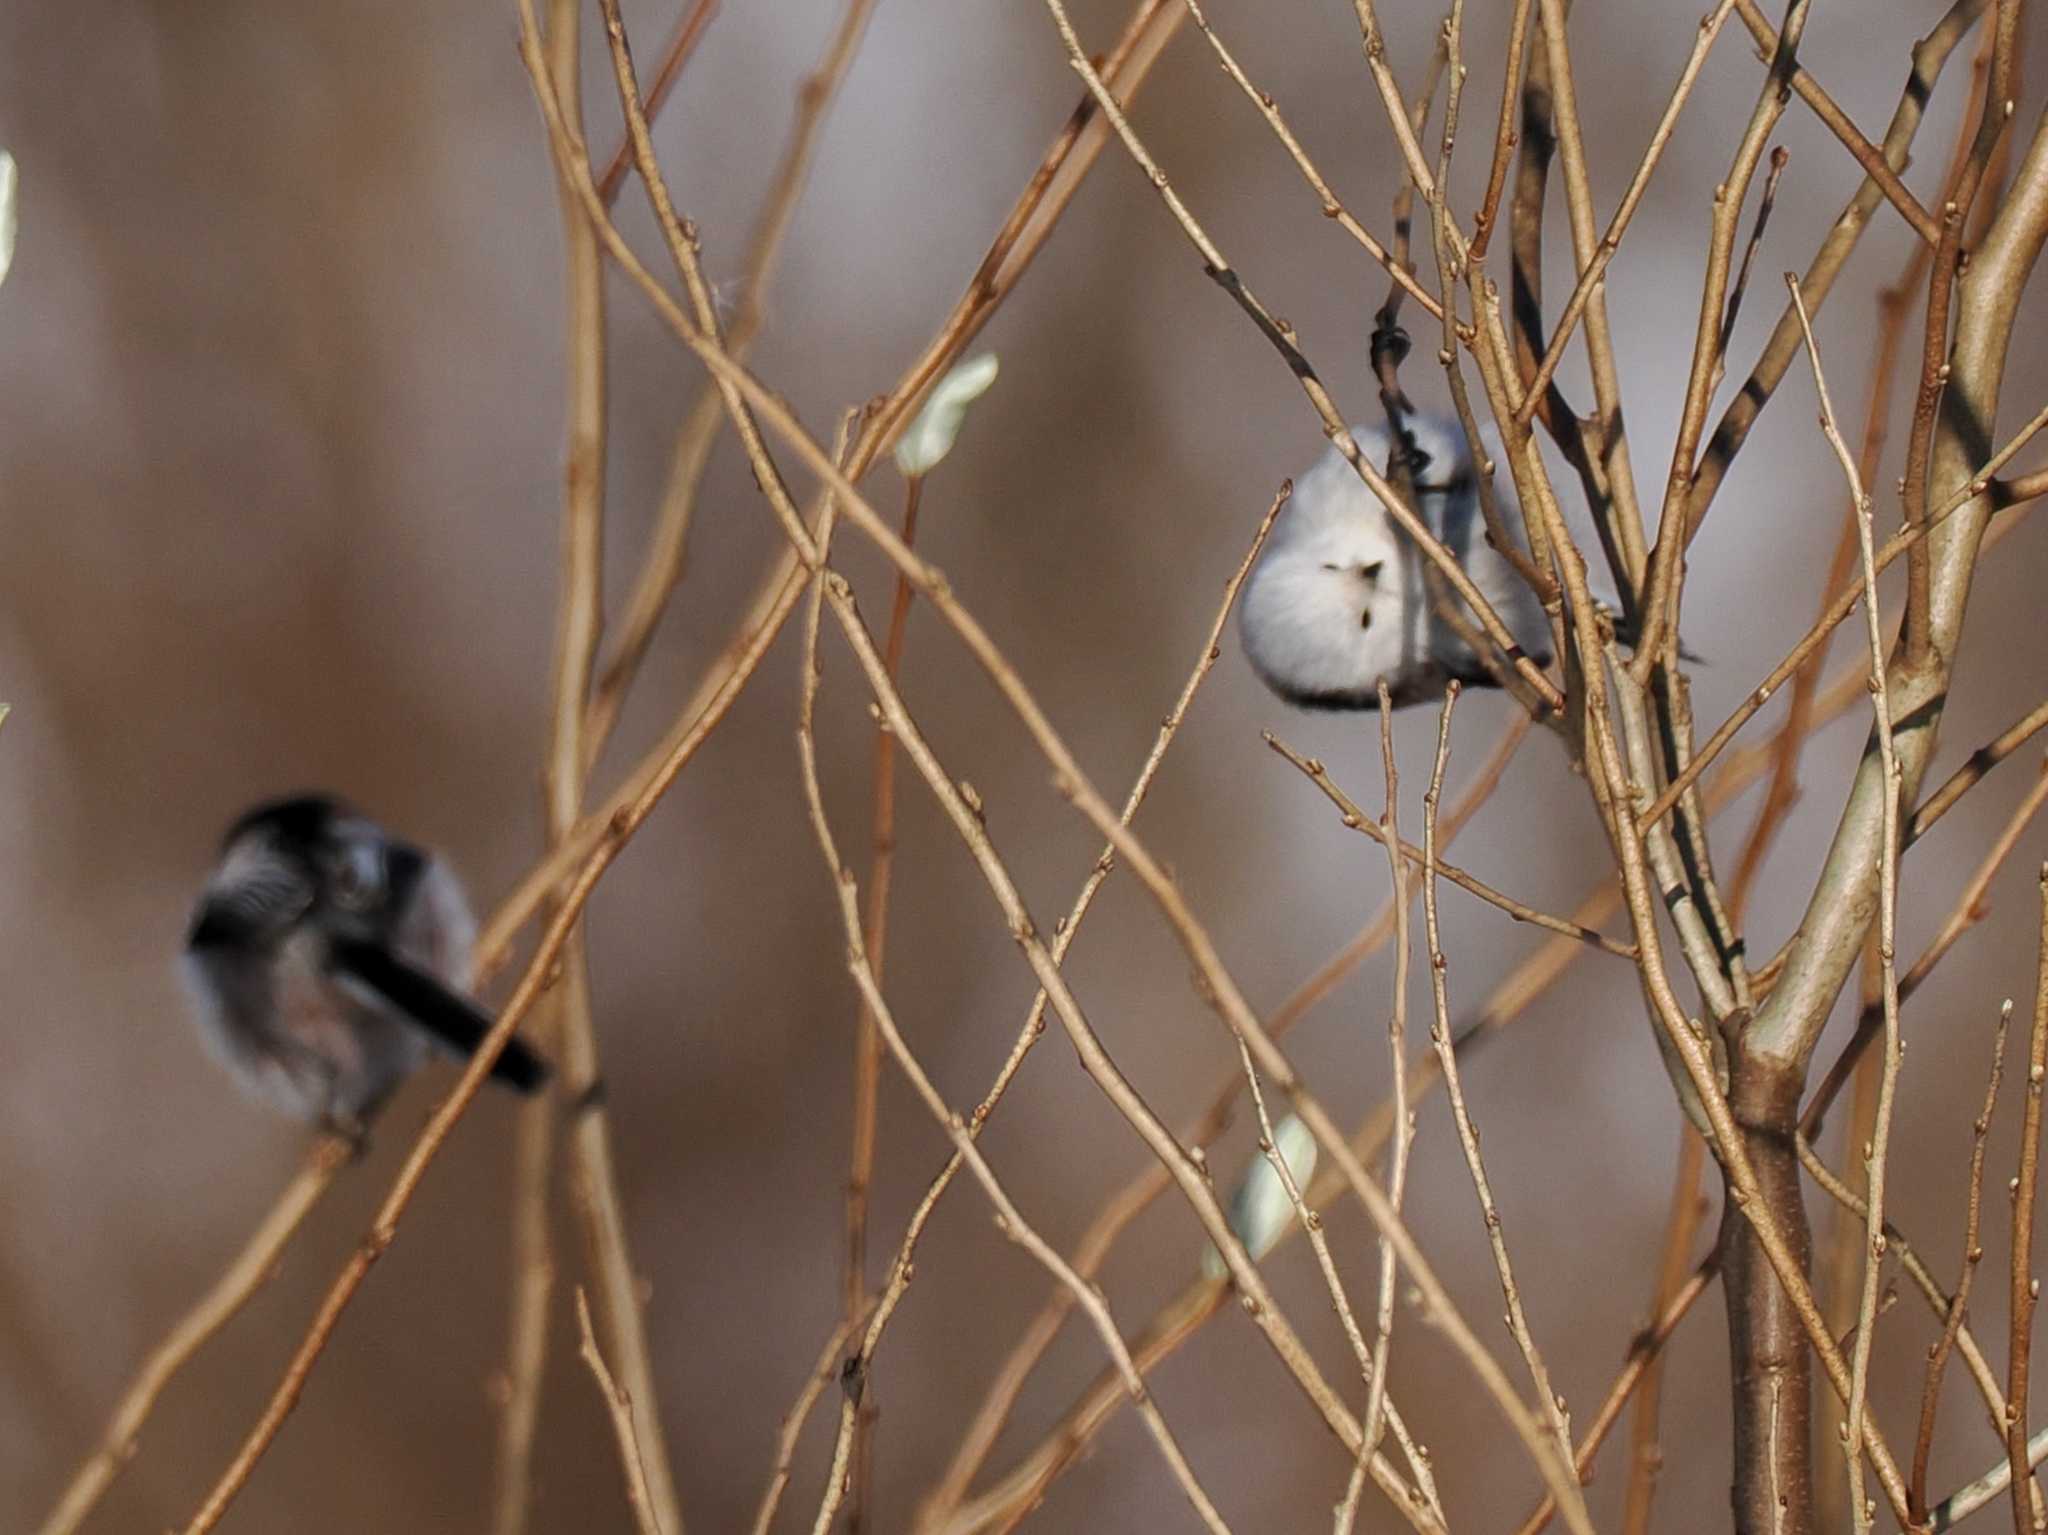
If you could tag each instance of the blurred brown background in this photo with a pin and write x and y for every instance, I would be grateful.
(280, 381)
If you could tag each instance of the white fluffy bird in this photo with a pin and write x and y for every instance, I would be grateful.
(1338, 602)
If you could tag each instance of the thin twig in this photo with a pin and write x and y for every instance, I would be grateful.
(532, 1294)
(1975, 766)
(1504, 137)
(675, 53)
(1780, 158)
(823, 1373)
(566, 1024)
(1404, 1122)
(1888, 875)
(1703, 936)
(2025, 1289)
(619, 1406)
(1333, 1283)
(1386, 361)
(1406, 130)
(1681, 1230)
(1973, 1252)
(1453, 331)
(867, 1045)
(1468, 1136)
(1618, 508)
(1848, 1247)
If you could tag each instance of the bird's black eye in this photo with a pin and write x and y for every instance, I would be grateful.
(1365, 619)
(348, 886)
(353, 879)
(1371, 571)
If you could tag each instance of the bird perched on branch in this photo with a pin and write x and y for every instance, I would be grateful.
(327, 959)
(1339, 600)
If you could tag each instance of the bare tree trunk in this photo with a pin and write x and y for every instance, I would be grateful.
(1773, 1384)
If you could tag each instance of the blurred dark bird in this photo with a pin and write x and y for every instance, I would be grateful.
(327, 959)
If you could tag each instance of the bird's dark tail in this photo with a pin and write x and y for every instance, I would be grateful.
(450, 1017)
